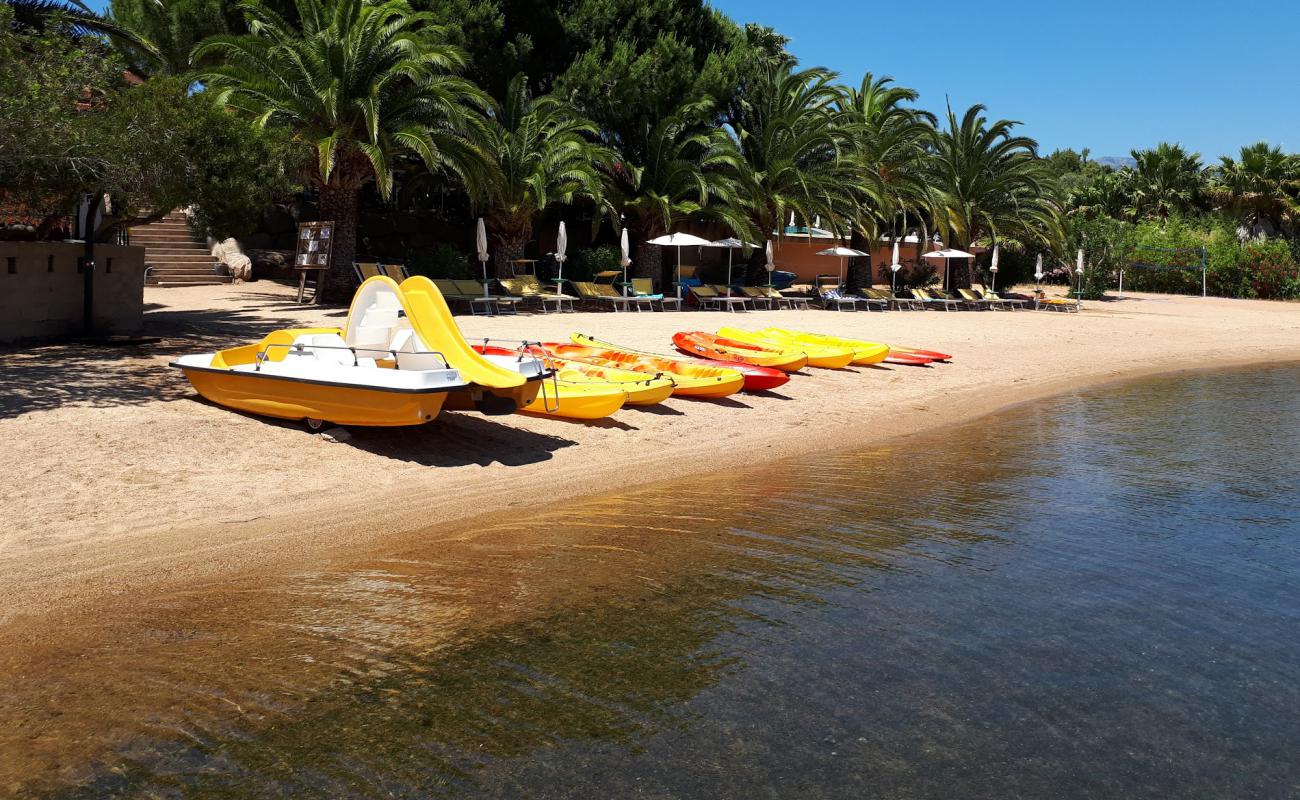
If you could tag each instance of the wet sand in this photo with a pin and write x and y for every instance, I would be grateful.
(122, 482)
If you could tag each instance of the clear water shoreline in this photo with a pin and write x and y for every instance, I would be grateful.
(701, 602)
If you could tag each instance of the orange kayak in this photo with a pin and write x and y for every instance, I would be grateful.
(718, 348)
(691, 379)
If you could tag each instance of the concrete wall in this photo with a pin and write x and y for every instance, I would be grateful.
(41, 289)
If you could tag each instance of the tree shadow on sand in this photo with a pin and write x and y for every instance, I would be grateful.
(49, 376)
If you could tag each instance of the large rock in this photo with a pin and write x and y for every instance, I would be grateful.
(239, 265)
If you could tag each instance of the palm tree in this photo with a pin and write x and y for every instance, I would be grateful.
(1107, 194)
(1262, 188)
(795, 147)
(545, 154)
(990, 184)
(362, 84)
(79, 19)
(1166, 181)
(890, 148)
(170, 29)
(679, 167)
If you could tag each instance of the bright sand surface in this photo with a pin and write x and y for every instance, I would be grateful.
(119, 479)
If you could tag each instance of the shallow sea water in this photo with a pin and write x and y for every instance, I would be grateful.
(1096, 595)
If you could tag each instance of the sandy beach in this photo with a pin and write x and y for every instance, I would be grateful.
(122, 480)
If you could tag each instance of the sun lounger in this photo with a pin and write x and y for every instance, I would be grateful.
(364, 269)
(485, 302)
(727, 291)
(395, 271)
(931, 301)
(758, 297)
(829, 297)
(997, 301)
(529, 290)
(788, 301)
(644, 288)
(591, 294)
(975, 301)
(1057, 304)
(708, 297)
(870, 300)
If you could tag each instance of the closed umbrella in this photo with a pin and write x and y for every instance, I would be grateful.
(994, 268)
(732, 244)
(894, 267)
(482, 252)
(625, 260)
(946, 254)
(561, 245)
(680, 240)
(1038, 273)
(770, 266)
(1078, 267)
(843, 253)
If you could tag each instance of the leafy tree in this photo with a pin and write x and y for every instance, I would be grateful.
(991, 184)
(70, 124)
(1261, 189)
(361, 85)
(545, 155)
(1167, 180)
(1107, 194)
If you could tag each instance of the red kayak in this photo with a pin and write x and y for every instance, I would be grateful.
(913, 352)
(908, 359)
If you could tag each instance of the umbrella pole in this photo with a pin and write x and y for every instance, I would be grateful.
(728, 268)
(679, 272)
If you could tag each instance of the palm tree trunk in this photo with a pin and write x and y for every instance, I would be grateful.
(338, 204)
(860, 269)
(508, 250)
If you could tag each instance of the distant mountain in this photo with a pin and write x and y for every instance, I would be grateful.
(1116, 162)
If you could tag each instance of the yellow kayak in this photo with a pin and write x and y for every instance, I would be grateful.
(642, 389)
(692, 378)
(578, 397)
(819, 355)
(864, 352)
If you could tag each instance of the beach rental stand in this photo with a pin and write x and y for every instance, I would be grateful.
(315, 254)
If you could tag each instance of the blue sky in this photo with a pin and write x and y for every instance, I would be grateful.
(1103, 74)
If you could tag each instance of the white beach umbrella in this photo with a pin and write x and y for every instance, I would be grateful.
(732, 244)
(680, 240)
(791, 218)
(481, 240)
(994, 268)
(770, 265)
(843, 253)
(561, 245)
(946, 254)
(625, 259)
(1038, 272)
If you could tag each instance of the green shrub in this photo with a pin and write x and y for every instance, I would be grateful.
(586, 263)
(1274, 274)
(441, 261)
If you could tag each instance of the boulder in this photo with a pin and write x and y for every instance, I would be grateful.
(239, 265)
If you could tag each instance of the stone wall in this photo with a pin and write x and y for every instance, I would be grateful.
(41, 289)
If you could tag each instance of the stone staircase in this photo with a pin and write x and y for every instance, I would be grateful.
(175, 254)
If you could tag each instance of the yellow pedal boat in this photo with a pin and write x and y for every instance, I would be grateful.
(398, 360)
(819, 355)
